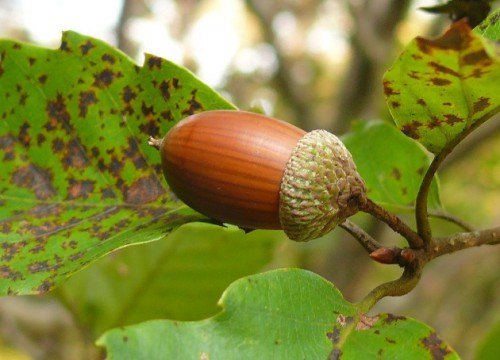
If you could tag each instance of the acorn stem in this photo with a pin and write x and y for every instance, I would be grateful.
(156, 143)
(368, 242)
(394, 222)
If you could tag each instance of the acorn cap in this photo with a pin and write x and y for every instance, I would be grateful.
(320, 187)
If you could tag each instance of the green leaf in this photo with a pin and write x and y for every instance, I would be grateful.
(440, 90)
(391, 164)
(180, 277)
(78, 177)
(283, 314)
(489, 348)
(490, 27)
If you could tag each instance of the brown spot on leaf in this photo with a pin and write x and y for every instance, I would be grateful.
(334, 335)
(435, 346)
(115, 166)
(38, 266)
(58, 114)
(476, 58)
(336, 354)
(433, 123)
(389, 340)
(421, 101)
(79, 189)
(74, 156)
(24, 136)
(7, 273)
(395, 104)
(194, 105)
(144, 190)
(388, 90)
(105, 78)
(343, 320)
(108, 58)
(414, 75)
(85, 48)
(76, 256)
(150, 128)
(440, 81)
(480, 104)
(147, 110)
(451, 119)
(476, 73)
(411, 129)
(366, 322)
(390, 318)
(31, 60)
(7, 143)
(396, 173)
(11, 249)
(108, 193)
(456, 38)
(40, 139)
(154, 62)
(438, 68)
(167, 86)
(128, 94)
(167, 115)
(86, 99)
(132, 152)
(69, 244)
(64, 47)
(36, 179)
(44, 287)
(22, 98)
(42, 79)
(57, 145)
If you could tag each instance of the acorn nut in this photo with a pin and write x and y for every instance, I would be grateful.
(259, 172)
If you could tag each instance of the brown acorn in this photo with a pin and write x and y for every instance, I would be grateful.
(258, 172)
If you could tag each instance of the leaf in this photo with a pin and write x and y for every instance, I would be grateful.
(180, 277)
(489, 348)
(490, 27)
(283, 314)
(391, 164)
(78, 177)
(440, 90)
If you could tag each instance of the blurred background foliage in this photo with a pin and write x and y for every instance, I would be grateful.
(317, 64)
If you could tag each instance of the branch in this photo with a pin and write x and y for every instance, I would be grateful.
(399, 287)
(421, 212)
(394, 222)
(369, 243)
(461, 241)
(452, 219)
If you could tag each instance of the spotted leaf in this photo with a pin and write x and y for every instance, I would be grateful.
(391, 165)
(283, 314)
(440, 90)
(78, 178)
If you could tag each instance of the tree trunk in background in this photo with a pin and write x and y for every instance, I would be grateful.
(372, 46)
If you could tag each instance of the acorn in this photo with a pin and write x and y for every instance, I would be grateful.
(259, 172)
